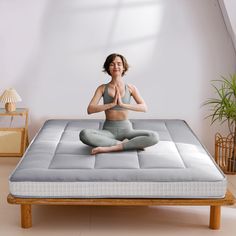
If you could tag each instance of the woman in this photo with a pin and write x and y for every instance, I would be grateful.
(117, 133)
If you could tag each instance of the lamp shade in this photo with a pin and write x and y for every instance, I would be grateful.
(10, 96)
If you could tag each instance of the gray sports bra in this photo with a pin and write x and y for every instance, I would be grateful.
(108, 99)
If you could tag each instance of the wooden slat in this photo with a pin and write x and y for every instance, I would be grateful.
(227, 200)
(215, 205)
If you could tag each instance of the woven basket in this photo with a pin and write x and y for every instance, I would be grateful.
(224, 153)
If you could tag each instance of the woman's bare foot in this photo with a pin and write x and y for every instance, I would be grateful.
(115, 148)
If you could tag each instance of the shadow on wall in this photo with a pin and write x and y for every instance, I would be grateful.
(174, 47)
(72, 39)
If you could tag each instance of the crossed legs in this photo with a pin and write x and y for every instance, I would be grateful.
(106, 141)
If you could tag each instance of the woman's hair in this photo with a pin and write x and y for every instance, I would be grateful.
(110, 59)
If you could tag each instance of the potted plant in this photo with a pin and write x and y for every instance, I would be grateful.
(223, 109)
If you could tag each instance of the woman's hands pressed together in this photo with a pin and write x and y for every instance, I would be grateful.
(117, 98)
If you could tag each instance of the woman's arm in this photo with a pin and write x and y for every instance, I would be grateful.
(140, 103)
(94, 107)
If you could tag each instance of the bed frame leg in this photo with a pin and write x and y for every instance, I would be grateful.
(215, 215)
(26, 216)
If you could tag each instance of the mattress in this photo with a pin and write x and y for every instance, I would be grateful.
(58, 165)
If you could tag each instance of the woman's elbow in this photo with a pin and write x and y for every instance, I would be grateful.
(89, 110)
(145, 109)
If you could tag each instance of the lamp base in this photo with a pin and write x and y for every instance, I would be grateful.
(10, 106)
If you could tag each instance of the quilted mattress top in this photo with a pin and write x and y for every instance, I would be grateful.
(57, 155)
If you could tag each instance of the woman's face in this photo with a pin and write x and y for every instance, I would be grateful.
(116, 67)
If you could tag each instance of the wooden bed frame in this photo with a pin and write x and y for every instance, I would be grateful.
(215, 205)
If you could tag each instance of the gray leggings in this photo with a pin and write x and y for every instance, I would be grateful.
(115, 131)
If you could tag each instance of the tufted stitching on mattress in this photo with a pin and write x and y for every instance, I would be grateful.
(137, 156)
(185, 165)
(55, 151)
(137, 152)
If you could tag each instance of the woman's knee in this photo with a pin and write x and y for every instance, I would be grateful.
(84, 135)
(153, 137)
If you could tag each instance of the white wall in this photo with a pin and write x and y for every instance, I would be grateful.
(52, 52)
(228, 8)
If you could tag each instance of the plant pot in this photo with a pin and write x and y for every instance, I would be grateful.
(224, 153)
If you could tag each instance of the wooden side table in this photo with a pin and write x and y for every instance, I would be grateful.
(14, 140)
